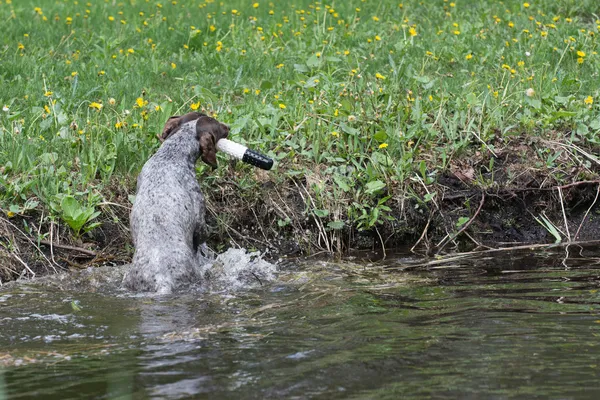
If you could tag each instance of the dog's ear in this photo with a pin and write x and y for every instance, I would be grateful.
(209, 132)
(174, 123)
(171, 126)
(208, 148)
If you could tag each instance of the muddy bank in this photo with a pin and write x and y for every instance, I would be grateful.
(468, 206)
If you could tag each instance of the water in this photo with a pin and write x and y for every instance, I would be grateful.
(495, 326)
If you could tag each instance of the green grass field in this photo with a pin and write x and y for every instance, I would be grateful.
(368, 101)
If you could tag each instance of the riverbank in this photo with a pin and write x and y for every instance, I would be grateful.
(519, 201)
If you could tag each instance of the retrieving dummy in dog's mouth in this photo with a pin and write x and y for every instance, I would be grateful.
(167, 218)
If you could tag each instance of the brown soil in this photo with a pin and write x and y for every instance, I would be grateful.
(498, 208)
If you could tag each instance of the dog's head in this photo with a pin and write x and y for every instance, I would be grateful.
(208, 130)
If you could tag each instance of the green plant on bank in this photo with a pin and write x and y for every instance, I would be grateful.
(373, 99)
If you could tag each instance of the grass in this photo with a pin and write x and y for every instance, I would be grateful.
(368, 102)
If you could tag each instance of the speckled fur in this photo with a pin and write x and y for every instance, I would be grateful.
(167, 219)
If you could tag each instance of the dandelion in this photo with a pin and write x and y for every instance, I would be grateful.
(255, 5)
(589, 100)
(119, 125)
(101, 73)
(521, 63)
(376, 19)
(580, 53)
(383, 145)
(526, 5)
(140, 102)
(335, 134)
(5, 108)
(69, 20)
(580, 60)
(456, 32)
(379, 76)
(74, 74)
(282, 106)
(130, 51)
(469, 56)
(157, 108)
(112, 101)
(256, 92)
(48, 94)
(173, 65)
(412, 31)
(111, 18)
(96, 105)
(195, 106)
(530, 92)
(351, 118)
(318, 54)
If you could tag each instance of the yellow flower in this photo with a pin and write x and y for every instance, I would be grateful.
(112, 101)
(282, 106)
(589, 100)
(140, 102)
(376, 19)
(69, 20)
(10, 214)
(526, 5)
(257, 91)
(580, 53)
(157, 108)
(580, 60)
(456, 32)
(95, 105)
(119, 125)
(195, 106)
(379, 76)
(100, 73)
(335, 134)
(383, 145)
(130, 51)
(469, 56)
(48, 94)
(74, 73)
(173, 65)
(255, 5)
(111, 18)
(412, 31)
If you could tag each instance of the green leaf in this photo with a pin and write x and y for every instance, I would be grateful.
(380, 136)
(321, 213)
(472, 99)
(374, 186)
(336, 225)
(300, 68)
(341, 182)
(461, 221)
(265, 85)
(313, 61)
(349, 130)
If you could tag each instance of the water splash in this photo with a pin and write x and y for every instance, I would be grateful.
(237, 269)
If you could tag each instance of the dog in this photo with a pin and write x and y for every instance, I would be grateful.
(167, 219)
